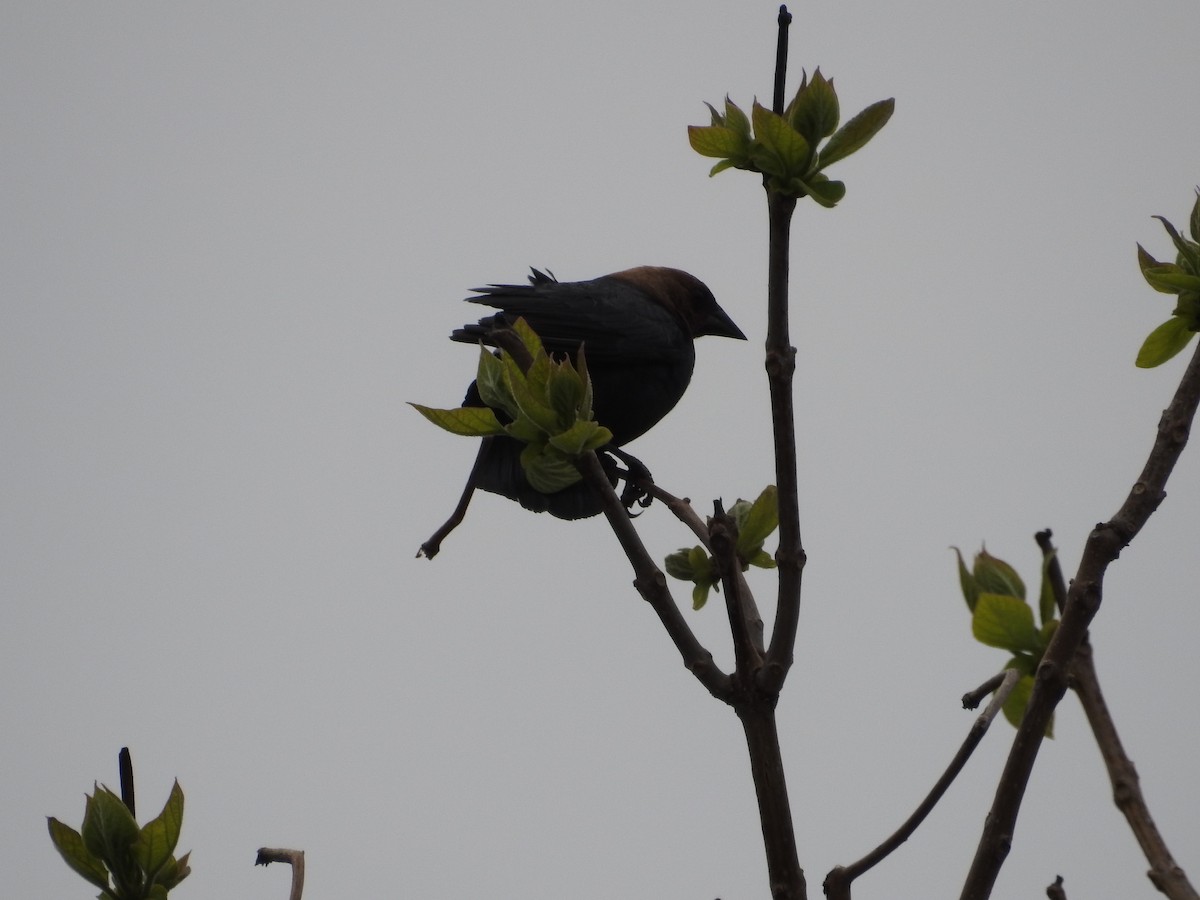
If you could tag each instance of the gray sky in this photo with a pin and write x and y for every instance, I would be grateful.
(235, 240)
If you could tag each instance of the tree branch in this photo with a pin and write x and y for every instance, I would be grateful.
(747, 652)
(1103, 546)
(294, 858)
(774, 811)
(838, 881)
(651, 583)
(780, 365)
(1165, 873)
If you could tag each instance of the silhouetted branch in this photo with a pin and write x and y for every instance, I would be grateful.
(125, 766)
(651, 583)
(294, 858)
(1084, 595)
(781, 54)
(780, 365)
(972, 699)
(1164, 872)
(747, 652)
(838, 881)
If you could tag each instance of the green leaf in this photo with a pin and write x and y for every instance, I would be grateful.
(1047, 608)
(762, 560)
(1164, 342)
(109, 829)
(585, 405)
(547, 470)
(814, 112)
(678, 564)
(827, 193)
(970, 590)
(1003, 621)
(528, 337)
(717, 118)
(1150, 266)
(489, 379)
(573, 441)
(1171, 279)
(69, 844)
(1194, 220)
(787, 153)
(695, 565)
(737, 120)
(722, 166)
(565, 392)
(159, 836)
(716, 141)
(854, 135)
(1018, 702)
(758, 522)
(109, 832)
(175, 871)
(996, 576)
(1188, 252)
(528, 402)
(472, 421)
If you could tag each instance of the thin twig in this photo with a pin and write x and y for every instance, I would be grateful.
(747, 653)
(781, 54)
(837, 882)
(125, 766)
(1084, 595)
(972, 699)
(781, 366)
(681, 508)
(651, 583)
(294, 858)
(683, 511)
(1165, 873)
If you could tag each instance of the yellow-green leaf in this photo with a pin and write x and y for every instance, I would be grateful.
(470, 421)
(1163, 343)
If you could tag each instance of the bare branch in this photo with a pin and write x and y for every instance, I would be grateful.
(294, 858)
(837, 882)
(1164, 872)
(651, 583)
(972, 699)
(747, 652)
(128, 796)
(682, 508)
(1103, 546)
(781, 364)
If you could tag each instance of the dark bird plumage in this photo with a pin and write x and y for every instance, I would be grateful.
(638, 328)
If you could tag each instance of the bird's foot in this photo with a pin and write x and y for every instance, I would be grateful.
(638, 482)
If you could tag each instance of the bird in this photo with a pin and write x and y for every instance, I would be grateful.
(638, 328)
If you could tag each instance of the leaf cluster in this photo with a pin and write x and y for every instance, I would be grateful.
(786, 148)
(547, 407)
(1181, 278)
(112, 853)
(755, 522)
(1001, 617)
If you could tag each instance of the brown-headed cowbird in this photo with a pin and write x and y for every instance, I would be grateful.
(637, 327)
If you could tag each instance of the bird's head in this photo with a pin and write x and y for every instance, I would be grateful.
(686, 296)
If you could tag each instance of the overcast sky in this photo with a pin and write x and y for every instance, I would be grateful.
(235, 238)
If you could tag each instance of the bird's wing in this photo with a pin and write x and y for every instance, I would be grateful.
(613, 319)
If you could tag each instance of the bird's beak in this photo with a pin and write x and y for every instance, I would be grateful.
(718, 324)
